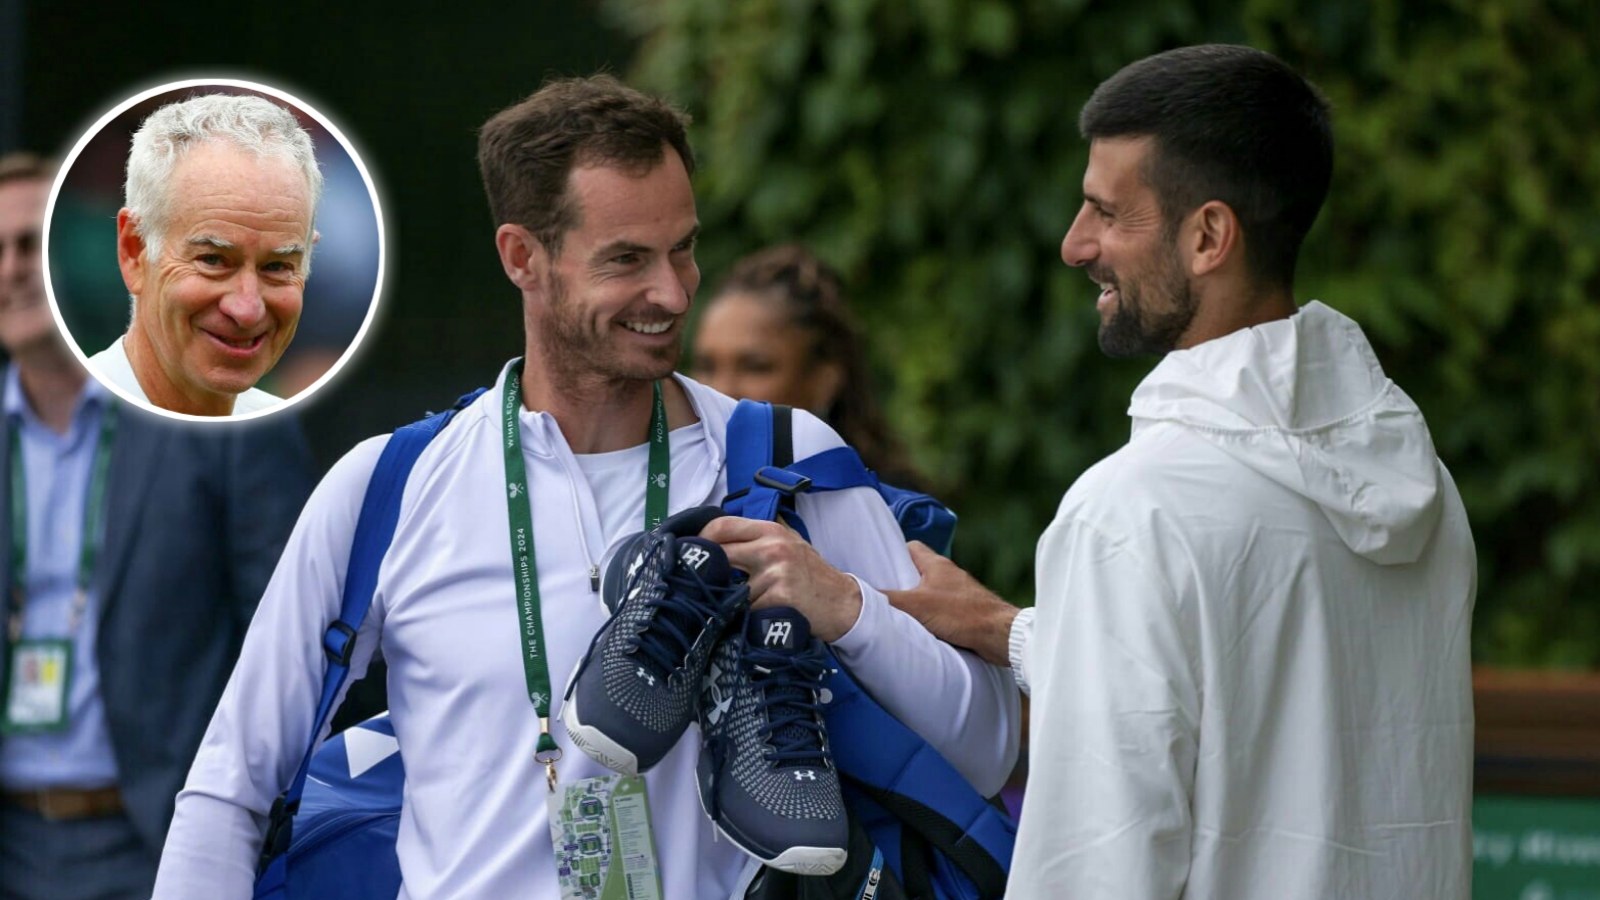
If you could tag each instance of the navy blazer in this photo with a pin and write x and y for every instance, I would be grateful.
(196, 516)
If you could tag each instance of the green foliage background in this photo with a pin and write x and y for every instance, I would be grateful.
(929, 148)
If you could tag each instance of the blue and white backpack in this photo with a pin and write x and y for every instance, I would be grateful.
(919, 829)
(332, 832)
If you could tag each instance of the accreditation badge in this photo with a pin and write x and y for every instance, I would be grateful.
(36, 687)
(603, 843)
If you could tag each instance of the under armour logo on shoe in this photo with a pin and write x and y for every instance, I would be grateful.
(640, 671)
(777, 634)
(715, 701)
(719, 708)
(805, 775)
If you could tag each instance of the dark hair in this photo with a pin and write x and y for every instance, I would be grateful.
(25, 166)
(1233, 124)
(810, 294)
(527, 151)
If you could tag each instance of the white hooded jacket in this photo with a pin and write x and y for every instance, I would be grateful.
(1250, 665)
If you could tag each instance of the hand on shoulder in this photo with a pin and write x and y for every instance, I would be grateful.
(956, 608)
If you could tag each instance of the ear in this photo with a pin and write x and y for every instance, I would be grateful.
(824, 383)
(130, 251)
(1215, 237)
(523, 256)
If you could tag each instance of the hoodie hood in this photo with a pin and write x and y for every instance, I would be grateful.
(1304, 402)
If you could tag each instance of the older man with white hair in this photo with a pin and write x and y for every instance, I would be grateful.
(215, 246)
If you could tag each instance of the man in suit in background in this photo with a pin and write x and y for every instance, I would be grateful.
(146, 547)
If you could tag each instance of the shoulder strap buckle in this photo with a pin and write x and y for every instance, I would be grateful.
(782, 480)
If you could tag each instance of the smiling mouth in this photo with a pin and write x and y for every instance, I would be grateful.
(649, 328)
(1101, 274)
(242, 345)
(1109, 292)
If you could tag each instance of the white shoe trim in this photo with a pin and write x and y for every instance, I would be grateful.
(591, 741)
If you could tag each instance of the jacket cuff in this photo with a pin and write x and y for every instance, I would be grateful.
(1021, 635)
(864, 629)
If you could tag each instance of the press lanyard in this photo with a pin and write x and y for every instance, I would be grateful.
(523, 564)
(93, 514)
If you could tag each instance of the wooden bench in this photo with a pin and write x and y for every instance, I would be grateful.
(1538, 732)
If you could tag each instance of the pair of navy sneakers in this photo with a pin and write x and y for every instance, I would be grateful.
(682, 644)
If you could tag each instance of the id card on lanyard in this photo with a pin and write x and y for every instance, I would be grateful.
(38, 672)
(599, 827)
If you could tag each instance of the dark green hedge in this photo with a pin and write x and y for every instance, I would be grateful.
(929, 148)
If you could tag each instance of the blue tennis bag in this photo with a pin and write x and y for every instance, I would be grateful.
(918, 828)
(350, 816)
(332, 832)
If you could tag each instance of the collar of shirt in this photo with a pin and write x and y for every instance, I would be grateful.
(91, 399)
(542, 434)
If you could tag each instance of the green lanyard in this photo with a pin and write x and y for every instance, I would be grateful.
(524, 566)
(93, 514)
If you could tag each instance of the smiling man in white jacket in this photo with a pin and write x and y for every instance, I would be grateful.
(1249, 664)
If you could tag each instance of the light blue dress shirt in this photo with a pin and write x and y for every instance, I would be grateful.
(57, 469)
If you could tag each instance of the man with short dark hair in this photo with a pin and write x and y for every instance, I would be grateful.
(143, 549)
(595, 227)
(1250, 669)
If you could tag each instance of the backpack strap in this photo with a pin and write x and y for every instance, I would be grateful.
(757, 488)
(749, 447)
(763, 477)
(380, 512)
(902, 772)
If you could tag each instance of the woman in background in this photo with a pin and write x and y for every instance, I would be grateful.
(778, 329)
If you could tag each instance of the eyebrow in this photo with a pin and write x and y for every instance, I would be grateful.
(616, 247)
(212, 241)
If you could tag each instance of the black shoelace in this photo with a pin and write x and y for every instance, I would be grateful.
(687, 607)
(788, 683)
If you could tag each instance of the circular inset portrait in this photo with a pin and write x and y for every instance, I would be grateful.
(214, 250)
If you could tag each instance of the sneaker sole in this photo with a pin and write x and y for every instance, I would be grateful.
(591, 740)
(795, 860)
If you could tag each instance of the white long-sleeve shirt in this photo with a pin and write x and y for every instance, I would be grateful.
(1249, 664)
(473, 823)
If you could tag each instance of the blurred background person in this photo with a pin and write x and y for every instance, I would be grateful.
(145, 548)
(779, 329)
